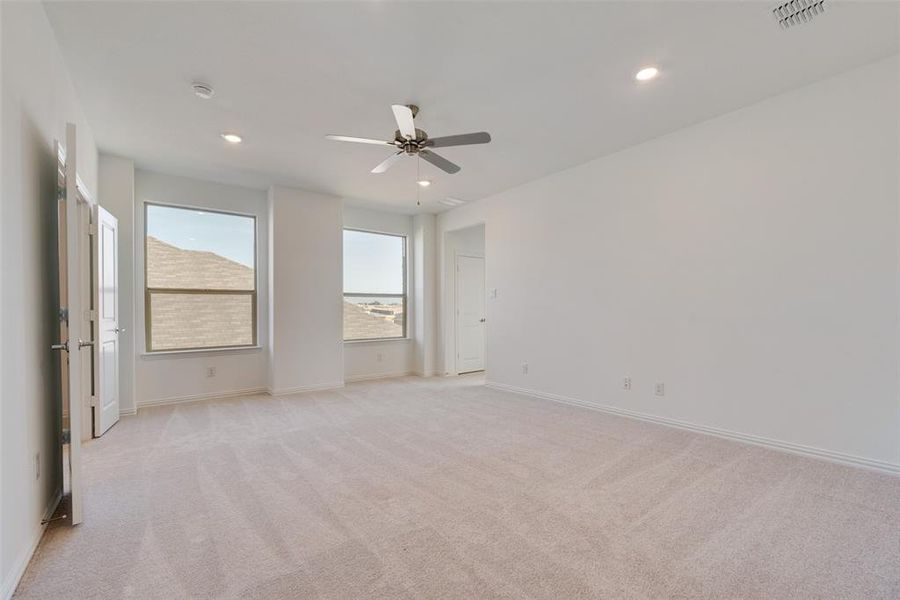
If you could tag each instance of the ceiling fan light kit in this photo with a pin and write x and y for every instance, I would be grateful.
(411, 141)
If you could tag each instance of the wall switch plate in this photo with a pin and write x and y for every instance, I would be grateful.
(660, 389)
(494, 294)
(626, 384)
(525, 368)
(210, 371)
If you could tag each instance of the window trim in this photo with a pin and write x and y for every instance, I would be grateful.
(404, 296)
(254, 293)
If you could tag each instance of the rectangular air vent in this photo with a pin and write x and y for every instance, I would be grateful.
(797, 12)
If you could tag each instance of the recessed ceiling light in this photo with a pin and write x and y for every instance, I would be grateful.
(201, 90)
(647, 73)
(232, 138)
(424, 182)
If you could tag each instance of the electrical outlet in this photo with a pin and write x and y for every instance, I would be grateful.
(494, 294)
(660, 388)
(525, 368)
(626, 384)
(210, 371)
(37, 466)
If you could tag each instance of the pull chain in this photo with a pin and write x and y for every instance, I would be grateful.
(418, 179)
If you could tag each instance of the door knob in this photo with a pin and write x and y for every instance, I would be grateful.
(63, 346)
(119, 330)
(82, 344)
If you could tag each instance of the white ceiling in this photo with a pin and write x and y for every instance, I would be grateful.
(552, 82)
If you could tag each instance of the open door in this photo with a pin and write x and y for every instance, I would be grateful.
(470, 314)
(106, 352)
(70, 325)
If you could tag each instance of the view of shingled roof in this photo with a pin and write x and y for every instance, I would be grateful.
(207, 321)
(180, 321)
(360, 324)
(171, 267)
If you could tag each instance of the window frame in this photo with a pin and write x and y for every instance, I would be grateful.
(404, 296)
(254, 293)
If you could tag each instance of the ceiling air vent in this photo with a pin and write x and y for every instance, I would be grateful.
(797, 12)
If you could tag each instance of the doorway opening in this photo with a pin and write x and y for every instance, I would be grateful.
(465, 250)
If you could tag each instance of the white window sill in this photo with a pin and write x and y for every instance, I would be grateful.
(378, 340)
(201, 351)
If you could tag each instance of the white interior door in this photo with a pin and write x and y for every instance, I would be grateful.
(106, 374)
(70, 324)
(469, 314)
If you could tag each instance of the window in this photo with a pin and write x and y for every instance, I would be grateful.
(200, 278)
(374, 285)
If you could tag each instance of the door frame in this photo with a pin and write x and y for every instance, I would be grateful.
(73, 245)
(446, 296)
(86, 223)
(455, 357)
(85, 205)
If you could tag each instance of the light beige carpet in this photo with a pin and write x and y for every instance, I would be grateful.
(436, 488)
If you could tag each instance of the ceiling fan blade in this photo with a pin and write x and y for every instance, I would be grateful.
(439, 161)
(358, 140)
(388, 162)
(464, 139)
(405, 122)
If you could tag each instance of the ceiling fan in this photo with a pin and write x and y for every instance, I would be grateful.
(411, 141)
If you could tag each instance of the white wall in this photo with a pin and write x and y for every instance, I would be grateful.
(115, 193)
(162, 377)
(425, 285)
(306, 291)
(382, 358)
(38, 99)
(470, 242)
(749, 262)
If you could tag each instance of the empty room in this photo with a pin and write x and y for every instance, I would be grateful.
(449, 299)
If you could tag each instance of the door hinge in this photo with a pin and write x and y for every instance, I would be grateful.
(91, 314)
(93, 401)
(64, 315)
(66, 436)
(92, 229)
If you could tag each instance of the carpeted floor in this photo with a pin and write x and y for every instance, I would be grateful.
(441, 488)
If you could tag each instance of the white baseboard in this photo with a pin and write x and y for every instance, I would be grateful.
(847, 459)
(199, 397)
(125, 412)
(8, 588)
(376, 376)
(306, 388)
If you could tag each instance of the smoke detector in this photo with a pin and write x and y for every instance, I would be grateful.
(797, 12)
(201, 90)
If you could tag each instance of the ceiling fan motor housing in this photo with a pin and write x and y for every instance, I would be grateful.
(410, 146)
